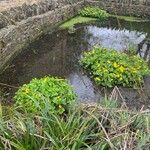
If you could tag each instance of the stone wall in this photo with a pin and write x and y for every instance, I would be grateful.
(139, 8)
(21, 24)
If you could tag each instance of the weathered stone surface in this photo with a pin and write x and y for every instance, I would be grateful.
(123, 7)
(17, 34)
(18, 13)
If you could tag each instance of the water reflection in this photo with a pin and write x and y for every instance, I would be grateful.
(114, 38)
(84, 88)
(144, 50)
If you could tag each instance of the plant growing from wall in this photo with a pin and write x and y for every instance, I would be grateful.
(52, 93)
(109, 68)
(94, 12)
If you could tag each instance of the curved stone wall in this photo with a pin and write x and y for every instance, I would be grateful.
(21, 25)
(138, 8)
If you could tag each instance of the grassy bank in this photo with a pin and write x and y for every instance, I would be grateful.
(85, 127)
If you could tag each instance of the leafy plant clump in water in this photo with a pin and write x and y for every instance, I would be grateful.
(109, 68)
(52, 93)
(94, 12)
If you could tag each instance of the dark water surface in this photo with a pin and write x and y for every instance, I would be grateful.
(58, 53)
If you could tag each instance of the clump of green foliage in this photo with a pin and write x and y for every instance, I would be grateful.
(48, 92)
(109, 68)
(94, 12)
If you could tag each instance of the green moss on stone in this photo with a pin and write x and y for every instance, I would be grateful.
(76, 20)
(129, 18)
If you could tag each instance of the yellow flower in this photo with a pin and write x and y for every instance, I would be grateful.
(45, 79)
(122, 69)
(60, 106)
(115, 65)
(120, 78)
(105, 70)
(117, 75)
(134, 70)
(27, 90)
(97, 79)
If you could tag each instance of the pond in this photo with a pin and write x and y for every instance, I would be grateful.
(58, 53)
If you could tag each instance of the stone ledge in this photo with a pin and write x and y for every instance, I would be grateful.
(22, 11)
(15, 37)
(138, 8)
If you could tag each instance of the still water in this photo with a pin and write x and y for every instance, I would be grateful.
(58, 53)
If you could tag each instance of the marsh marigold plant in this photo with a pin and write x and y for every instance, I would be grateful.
(94, 12)
(110, 68)
(49, 93)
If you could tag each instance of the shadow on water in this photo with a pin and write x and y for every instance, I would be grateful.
(58, 53)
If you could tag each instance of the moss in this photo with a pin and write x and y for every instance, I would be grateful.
(69, 24)
(129, 18)
(76, 20)
(110, 68)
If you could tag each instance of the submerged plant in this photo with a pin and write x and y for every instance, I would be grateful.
(94, 12)
(109, 68)
(48, 92)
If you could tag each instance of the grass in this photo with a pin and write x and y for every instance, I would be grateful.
(84, 127)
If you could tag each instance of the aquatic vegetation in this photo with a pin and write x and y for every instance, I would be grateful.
(94, 12)
(82, 127)
(109, 68)
(48, 92)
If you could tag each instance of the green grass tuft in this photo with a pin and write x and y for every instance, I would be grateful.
(87, 127)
